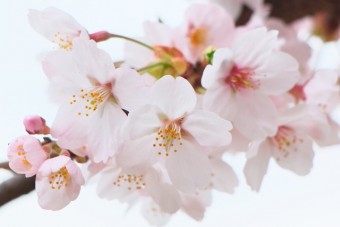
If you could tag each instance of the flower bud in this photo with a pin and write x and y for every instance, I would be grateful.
(100, 36)
(36, 125)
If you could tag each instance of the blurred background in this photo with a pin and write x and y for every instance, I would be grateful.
(285, 199)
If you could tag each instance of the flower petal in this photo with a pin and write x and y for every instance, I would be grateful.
(188, 169)
(256, 167)
(138, 152)
(256, 116)
(130, 89)
(175, 97)
(298, 157)
(143, 121)
(278, 74)
(208, 128)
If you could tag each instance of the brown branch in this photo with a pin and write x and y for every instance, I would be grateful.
(15, 187)
(4, 165)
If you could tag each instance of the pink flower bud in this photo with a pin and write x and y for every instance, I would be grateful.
(100, 36)
(58, 183)
(36, 125)
(25, 155)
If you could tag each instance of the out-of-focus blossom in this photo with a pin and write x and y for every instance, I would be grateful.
(205, 25)
(291, 146)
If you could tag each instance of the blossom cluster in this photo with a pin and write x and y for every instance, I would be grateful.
(155, 128)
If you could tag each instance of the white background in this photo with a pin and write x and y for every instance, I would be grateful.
(285, 199)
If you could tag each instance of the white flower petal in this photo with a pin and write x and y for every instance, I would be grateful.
(277, 74)
(256, 167)
(224, 178)
(299, 156)
(166, 196)
(256, 116)
(143, 121)
(130, 89)
(188, 169)
(252, 48)
(91, 61)
(138, 152)
(175, 97)
(208, 128)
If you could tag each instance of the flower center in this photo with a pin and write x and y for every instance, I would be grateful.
(91, 99)
(22, 154)
(130, 181)
(285, 140)
(64, 41)
(59, 179)
(241, 78)
(168, 139)
(197, 36)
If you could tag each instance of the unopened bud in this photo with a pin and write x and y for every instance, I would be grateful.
(36, 125)
(100, 36)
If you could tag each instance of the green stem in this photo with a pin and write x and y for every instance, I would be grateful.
(131, 40)
(146, 68)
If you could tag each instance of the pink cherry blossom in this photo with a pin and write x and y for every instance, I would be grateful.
(241, 79)
(92, 94)
(171, 132)
(25, 155)
(291, 147)
(205, 25)
(57, 26)
(58, 183)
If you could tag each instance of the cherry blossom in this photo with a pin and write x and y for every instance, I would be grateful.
(170, 131)
(25, 155)
(57, 26)
(92, 94)
(245, 76)
(58, 183)
(291, 147)
(205, 25)
(122, 184)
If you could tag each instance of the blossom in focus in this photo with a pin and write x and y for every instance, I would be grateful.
(171, 132)
(25, 155)
(205, 25)
(58, 183)
(57, 26)
(241, 79)
(92, 94)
